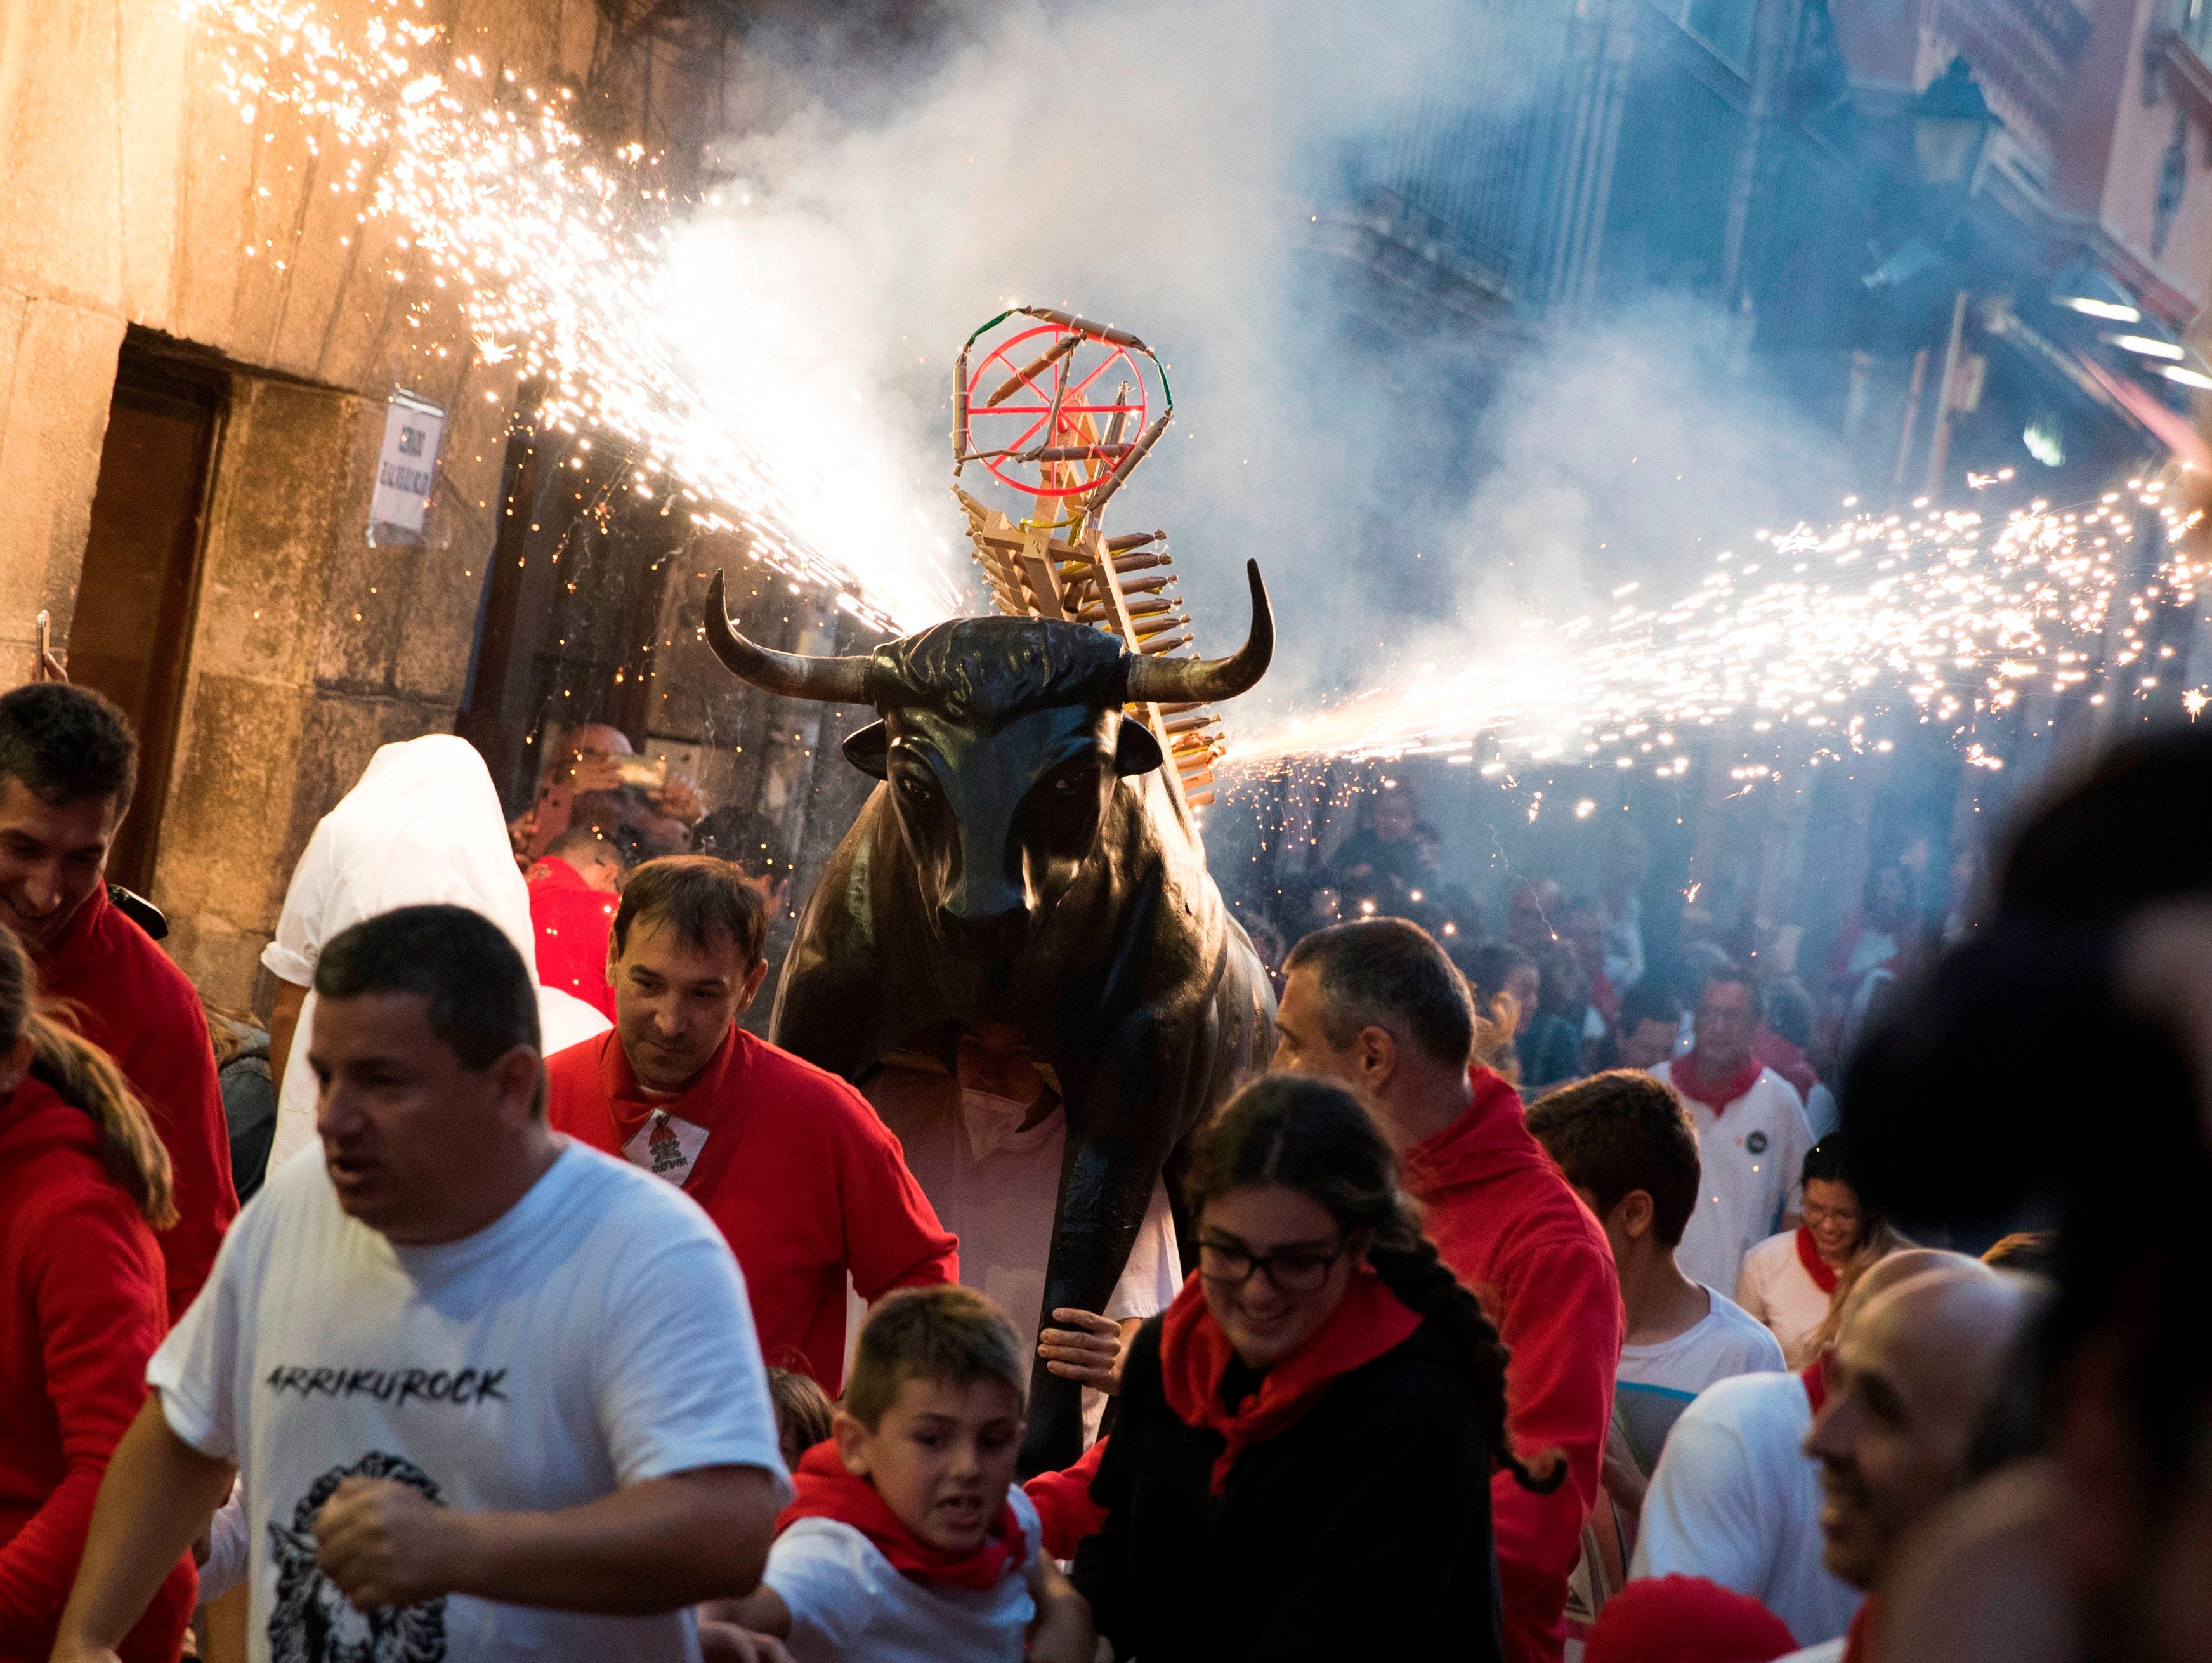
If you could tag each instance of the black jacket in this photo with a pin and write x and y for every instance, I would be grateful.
(1363, 1531)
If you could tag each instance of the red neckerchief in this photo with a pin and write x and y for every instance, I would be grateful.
(825, 1490)
(69, 953)
(1858, 1639)
(1815, 1380)
(1822, 1272)
(1719, 1095)
(709, 1100)
(1195, 1355)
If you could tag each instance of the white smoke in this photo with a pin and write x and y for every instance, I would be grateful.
(1156, 165)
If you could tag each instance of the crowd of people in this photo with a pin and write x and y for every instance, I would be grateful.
(1543, 1302)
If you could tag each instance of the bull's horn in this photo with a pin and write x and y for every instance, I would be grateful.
(1191, 681)
(791, 676)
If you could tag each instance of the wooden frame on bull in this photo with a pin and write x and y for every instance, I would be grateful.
(1033, 573)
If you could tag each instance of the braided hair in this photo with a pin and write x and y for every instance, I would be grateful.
(85, 1077)
(1314, 1138)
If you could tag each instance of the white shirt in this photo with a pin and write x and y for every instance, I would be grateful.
(1654, 1384)
(422, 827)
(595, 1334)
(1736, 1499)
(1002, 1205)
(848, 1605)
(1774, 1287)
(1829, 1651)
(1749, 1159)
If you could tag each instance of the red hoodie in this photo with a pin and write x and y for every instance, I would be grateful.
(572, 922)
(82, 1309)
(127, 998)
(1503, 1219)
(803, 1180)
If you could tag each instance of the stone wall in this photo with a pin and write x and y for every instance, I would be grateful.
(133, 198)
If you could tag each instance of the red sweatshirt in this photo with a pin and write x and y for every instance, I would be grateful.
(572, 922)
(1503, 1219)
(138, 1008)
(805, 1182)
(82, 1309)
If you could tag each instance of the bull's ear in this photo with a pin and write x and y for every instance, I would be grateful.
(1136, 750)
(867, 749)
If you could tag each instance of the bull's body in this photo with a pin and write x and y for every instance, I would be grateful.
(1024, 863)
(1138, 989)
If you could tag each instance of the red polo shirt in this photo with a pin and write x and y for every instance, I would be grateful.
(571, 922)
(1503, 1219)
(803, 1179)
(126, 997)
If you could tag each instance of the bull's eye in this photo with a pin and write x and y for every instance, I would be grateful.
(1075, 783)
(913, 788)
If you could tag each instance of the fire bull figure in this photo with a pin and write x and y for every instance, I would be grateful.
(1024, 862)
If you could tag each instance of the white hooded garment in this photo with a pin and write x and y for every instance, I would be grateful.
(423, 826)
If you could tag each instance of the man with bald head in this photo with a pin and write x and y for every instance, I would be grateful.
(1913, 1376)
(1736, 1497)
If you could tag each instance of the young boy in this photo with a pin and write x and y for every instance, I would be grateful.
(1630, 1151)
(909, 1538)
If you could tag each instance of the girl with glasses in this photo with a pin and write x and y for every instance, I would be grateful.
(1301, 1463)
(1796, 1282)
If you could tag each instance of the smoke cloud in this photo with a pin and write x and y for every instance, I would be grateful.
(1409, 482)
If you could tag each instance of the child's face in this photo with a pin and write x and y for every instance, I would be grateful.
(942, 1457)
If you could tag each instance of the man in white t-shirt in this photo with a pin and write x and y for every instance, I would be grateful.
(1751, 1134)
(1625, 1145)
(1737, 1499)
(985, 1142)
(491, 1395)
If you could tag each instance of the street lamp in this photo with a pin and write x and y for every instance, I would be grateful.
(1951, 123)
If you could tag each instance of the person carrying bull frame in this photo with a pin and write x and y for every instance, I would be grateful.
(789, 1161)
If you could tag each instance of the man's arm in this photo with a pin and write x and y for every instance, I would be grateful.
(651, 1546)
(158, 1493)
(284, 1025)
(1562, 1325)
(892, 1235)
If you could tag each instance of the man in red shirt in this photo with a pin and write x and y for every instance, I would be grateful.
(1376, 1006)
(67, 766)
(573, 890)
(791, 1162)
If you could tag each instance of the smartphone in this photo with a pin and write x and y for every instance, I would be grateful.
(646, 774)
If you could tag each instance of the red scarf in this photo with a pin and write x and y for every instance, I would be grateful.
(1718, 1094)
(1822, 1272)
(1195, 1355)
(1858, 1639)
(826, 1491)
(1815, 1381)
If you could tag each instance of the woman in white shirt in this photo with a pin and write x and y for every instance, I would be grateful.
(1794, 1281)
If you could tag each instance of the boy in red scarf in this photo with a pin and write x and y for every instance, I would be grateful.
(1377, 1007)
(67, 764)
(909, 1538)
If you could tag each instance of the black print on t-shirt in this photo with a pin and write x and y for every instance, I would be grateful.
(313, 1622)
(460, 1386)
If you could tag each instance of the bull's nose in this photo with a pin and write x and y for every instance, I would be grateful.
(993, 936)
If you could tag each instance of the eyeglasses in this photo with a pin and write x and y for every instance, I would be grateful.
(1816, 1214)
(1293, 1270)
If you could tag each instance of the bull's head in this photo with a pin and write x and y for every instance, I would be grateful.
(1001, 739)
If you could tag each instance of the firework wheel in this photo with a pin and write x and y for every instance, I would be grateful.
(1058, 429)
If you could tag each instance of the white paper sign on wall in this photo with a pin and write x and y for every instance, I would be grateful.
(406, 468)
